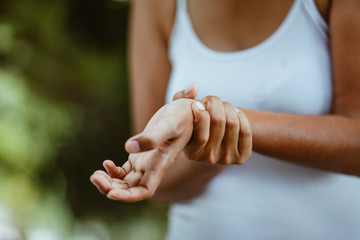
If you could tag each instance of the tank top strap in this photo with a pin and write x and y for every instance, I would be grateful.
(314, 14)
(181, 7)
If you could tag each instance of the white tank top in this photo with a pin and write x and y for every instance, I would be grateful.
(289, 72)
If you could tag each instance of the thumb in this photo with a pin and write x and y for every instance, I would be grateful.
(149, 140)
(190, 92)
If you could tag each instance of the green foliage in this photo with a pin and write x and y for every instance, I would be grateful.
(64, 109)
(6, 36)
(31, 128)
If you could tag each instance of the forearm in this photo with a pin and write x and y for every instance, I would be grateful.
(327, 142)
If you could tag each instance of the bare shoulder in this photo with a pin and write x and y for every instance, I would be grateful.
(166, 14)
(159, 12)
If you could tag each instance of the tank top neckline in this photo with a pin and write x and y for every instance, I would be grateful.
(209, 52)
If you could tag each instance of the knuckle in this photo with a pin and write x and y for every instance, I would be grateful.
(232, 124)
(246, 132)
(175, 132)
(227, 105)
(200, 139)
(199, 117)
(217, 121)
(213, 98)
(210, 158)
(228, 159)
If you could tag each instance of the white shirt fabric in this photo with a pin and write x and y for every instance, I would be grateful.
(290, 72)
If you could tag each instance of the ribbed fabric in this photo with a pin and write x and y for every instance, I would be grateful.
(290, 72)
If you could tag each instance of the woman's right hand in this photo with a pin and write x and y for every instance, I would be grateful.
(151, 154)
(221, 133)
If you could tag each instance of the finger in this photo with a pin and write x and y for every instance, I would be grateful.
(190, 92)
(119, 184)
(133, 178)
(231, 136)
(149, 140)
(215, 108)
(132, 145)
(113, 170)
(169, 123)
(133, 194)
(201, 129)
(245, 137)
(101, 183)
(104, 174)
(144, 190)
(127, 167)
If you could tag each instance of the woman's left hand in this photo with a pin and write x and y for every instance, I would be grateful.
(221, 134)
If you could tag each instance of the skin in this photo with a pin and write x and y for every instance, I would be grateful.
(155, 149)
(329, 142)
(140, 176)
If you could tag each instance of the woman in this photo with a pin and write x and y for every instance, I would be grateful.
(292, 69)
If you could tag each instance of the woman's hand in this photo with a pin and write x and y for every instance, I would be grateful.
(222, 134)
(136, 180)
(152, 152)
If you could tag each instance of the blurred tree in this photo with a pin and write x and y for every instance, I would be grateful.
(63, 106)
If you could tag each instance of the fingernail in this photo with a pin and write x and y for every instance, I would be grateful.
(236, 110)
(106, 162)
(188, 90)
(199, 106)
(133, 146)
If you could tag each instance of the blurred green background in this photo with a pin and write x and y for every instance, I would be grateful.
(64, 108)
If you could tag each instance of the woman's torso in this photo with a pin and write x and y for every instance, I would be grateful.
(289, 71)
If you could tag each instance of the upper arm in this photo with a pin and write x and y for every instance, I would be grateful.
(150, 26)
(345, 50)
